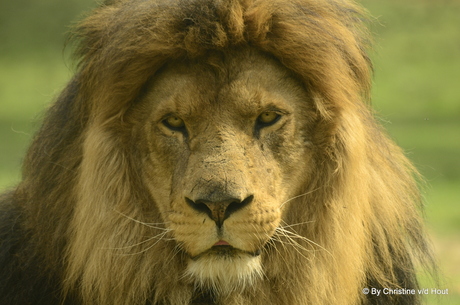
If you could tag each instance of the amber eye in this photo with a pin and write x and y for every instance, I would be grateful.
(174, 122)
(268, 118)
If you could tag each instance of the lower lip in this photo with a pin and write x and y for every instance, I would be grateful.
(221, 243)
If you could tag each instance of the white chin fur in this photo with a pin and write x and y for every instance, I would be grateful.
(223, 274)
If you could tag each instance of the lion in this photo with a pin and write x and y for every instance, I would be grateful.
(214, 152)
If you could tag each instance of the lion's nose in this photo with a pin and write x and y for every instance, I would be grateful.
(221, 210)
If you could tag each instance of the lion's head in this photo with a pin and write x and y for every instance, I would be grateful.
(225, 144)
(221, 152)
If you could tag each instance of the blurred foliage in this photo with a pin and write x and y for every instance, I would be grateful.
(33, 68)
(30, 26)
(417, 69)
(417, 56)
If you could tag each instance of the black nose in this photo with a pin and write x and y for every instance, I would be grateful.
(221, 210)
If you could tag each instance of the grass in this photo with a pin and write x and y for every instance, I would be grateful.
(416, 95)
(416, 58)
(27, 86)
(417, 64)
(443, 220)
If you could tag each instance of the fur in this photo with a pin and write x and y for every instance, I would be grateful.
(98, 216)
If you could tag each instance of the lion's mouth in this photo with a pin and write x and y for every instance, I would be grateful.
(225, 250)
(221, 243)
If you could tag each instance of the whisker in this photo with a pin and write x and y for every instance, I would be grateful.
(158, 236)
(296, 224)
(293, 235)
(148, 248)
(150, 225)
(297, 247)
(298, 196)
(290, 236)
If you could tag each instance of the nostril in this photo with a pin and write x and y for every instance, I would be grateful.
(219, 211)
(237, 205)
(199, 206)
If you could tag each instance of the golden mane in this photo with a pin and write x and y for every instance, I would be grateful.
(363, 204)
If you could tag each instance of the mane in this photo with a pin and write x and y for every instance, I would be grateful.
(80, 174)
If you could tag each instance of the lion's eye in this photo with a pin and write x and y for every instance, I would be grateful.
(174, 122)
(268, 118)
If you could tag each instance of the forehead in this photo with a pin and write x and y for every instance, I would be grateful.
(243, 82)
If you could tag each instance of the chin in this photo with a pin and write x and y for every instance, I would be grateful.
(224, 269)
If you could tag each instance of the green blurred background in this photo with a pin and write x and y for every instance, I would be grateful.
(416, 94)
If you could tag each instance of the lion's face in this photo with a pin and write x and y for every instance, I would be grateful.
(225, 151)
